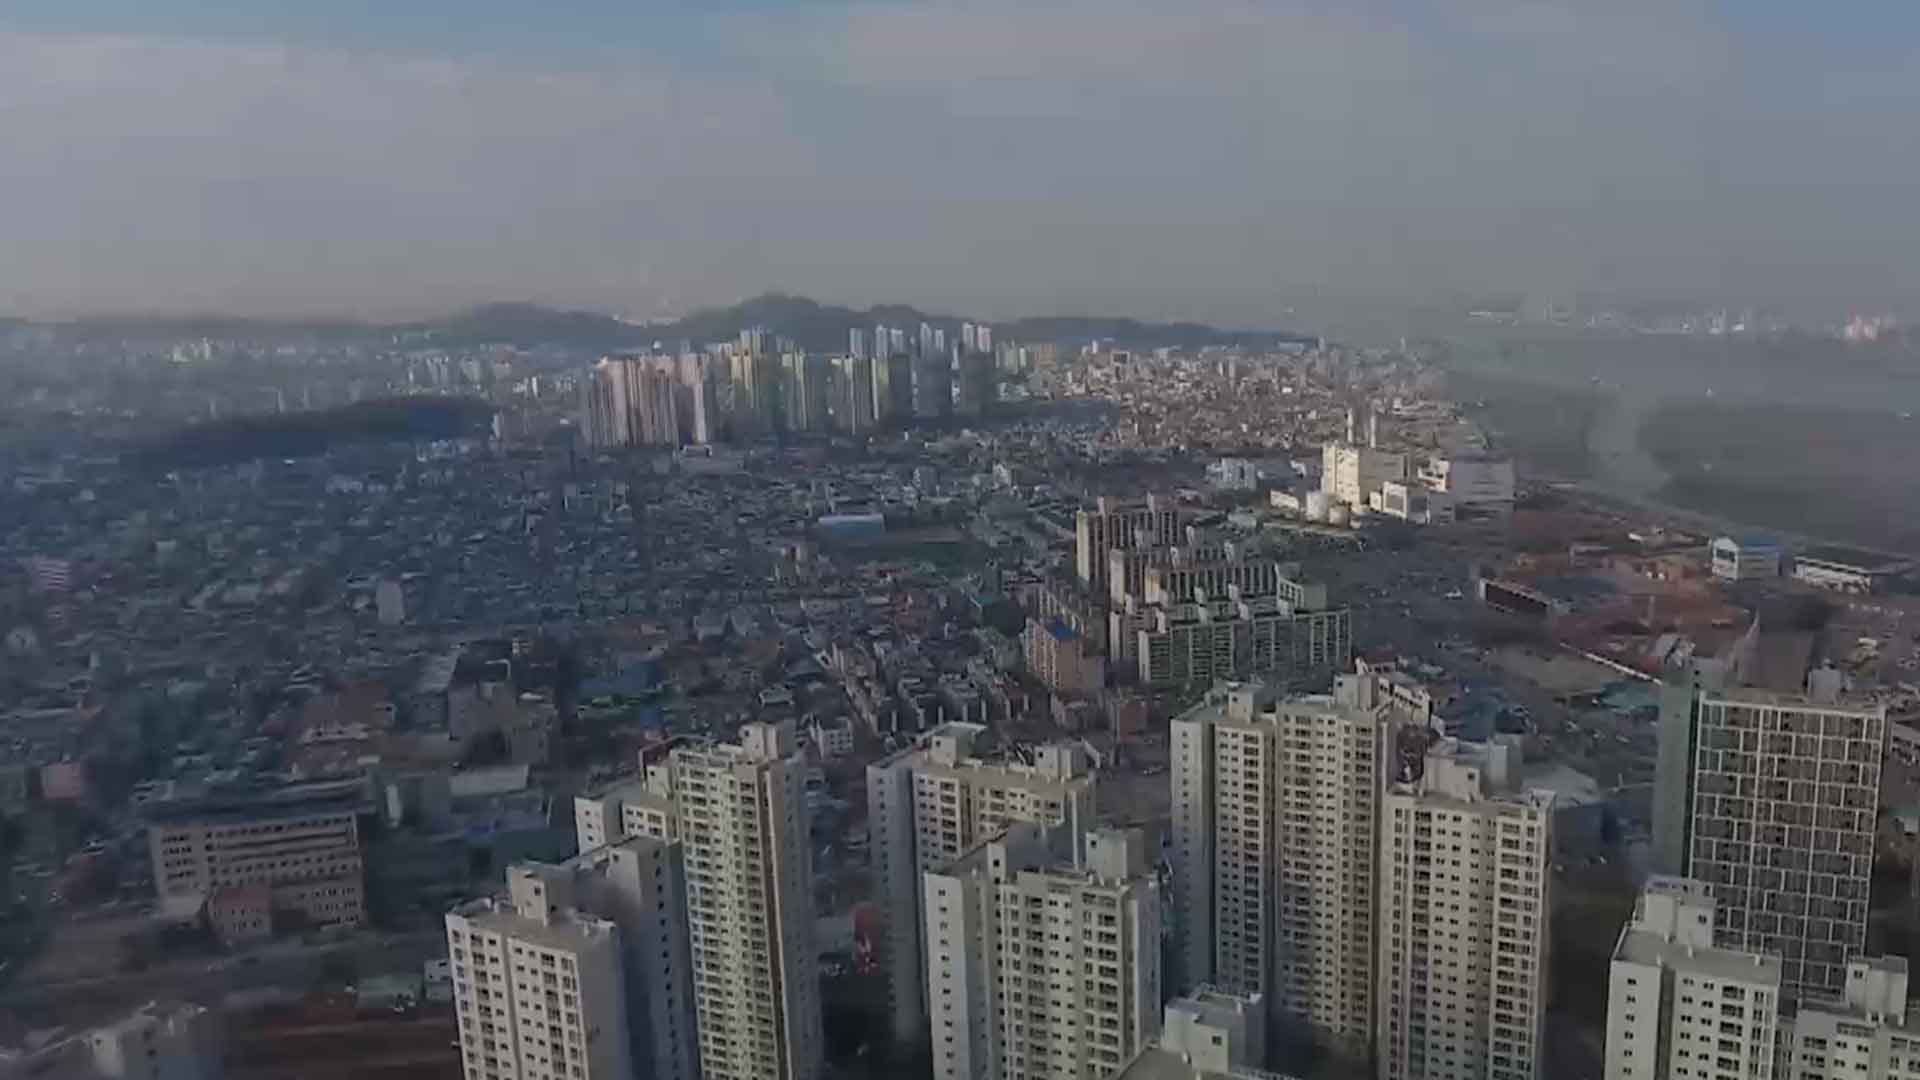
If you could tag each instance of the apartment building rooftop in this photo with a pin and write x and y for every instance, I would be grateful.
(1847, 704)
(1469, 773)
(1651, 948)
(562, 929)
(1247, 703)
(948, 750)
(1209, 1034)
(631, 791)
(1155, 1063)
(222, 809)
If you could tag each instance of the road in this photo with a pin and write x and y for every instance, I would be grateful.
(290, 965)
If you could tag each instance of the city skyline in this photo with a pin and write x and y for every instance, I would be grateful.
(1052, 540)
(391, 163)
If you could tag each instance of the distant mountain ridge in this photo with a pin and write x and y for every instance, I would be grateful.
(812, 325)
(824, 327)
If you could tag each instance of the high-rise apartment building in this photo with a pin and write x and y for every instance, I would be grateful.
(298, 848)
(1274, 804)
(934, 801)
(1770, 799)
(639, 885)
(1863, 1033)
(538, 989)
(657, 390)
(700, 403)
(893, 388)
(1201, 615)
(756, 401)
(1679, 1007)
(608, 417)
(853, 404)
(857, 343)
(639, 401)
(932, 385)
(1043, 964)
(804, 403)
(1115, 526)
(742, 814)
(1465, 860)
(978, 391)
(739, 813)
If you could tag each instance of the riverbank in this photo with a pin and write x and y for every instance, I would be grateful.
(1682, 429)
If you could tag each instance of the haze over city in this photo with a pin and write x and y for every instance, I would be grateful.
(1222, 160)
(958, 540)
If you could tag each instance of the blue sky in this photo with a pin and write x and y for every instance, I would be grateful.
(1213, 158)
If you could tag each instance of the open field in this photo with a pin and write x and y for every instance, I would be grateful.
(1845, 474)
(1546, 427)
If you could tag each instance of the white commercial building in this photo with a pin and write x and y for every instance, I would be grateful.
(1464, 873)
(1041, 965)
(1234, 474)
(1846, 570)
(157, 1041)
(1679, 1007)
(739, 811)
(1274, 804)
(1352, 474)
(1745, 558)
(1479, 485)
(538, 990)
(1414, 503)
(934, 801)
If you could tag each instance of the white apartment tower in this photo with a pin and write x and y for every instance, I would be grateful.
(1864, 1033)
(742, 814)
(1679, 1007)
(1274, 812)
(639, 885)
(1115, 526)
(739, 813)
(1464, 872)
(1041, 966)
(934, 801)
(538, 990)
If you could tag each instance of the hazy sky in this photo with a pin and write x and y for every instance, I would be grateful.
(1204, 158)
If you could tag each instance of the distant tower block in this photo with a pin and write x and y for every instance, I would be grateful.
(390, 602)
